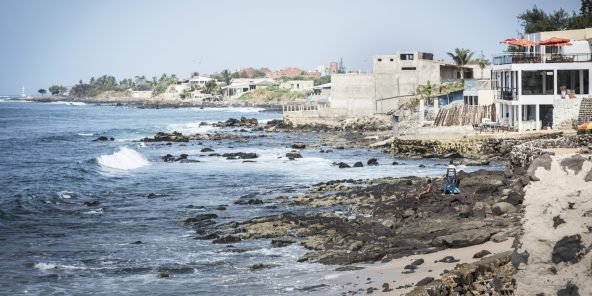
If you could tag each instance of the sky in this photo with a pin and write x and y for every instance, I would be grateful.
(63, 41)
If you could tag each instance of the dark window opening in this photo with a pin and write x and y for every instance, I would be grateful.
(408, 68)
(537, 82)
(392, 60)
(380, 60)
(570, 82)
(406, 57)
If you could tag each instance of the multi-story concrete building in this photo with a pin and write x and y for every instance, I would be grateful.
(393, 76)
(543, 86)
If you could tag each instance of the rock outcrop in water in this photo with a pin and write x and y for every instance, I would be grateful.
(179, 137)
(242, 122)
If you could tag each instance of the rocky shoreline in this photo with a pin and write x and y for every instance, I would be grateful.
(347, 222)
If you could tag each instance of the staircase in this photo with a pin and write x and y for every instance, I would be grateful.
(409, 123)
(585, 113)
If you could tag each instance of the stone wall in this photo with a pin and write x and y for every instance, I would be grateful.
(565, 111)
(585, 113)
(325, 116)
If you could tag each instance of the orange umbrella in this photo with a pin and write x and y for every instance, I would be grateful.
(507, 41)
(554, 40)
(522, 42)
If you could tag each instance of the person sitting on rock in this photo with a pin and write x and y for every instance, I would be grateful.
(427, 191)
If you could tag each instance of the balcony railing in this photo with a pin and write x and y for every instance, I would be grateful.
(533, 58)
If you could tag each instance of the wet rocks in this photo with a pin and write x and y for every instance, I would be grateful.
(167, 137)
(259, 266)
(168, 158)
(93, 203)
(372, 162)
(242, 122)
(417, 262)
(103, 138)
(207, 150)
(227, 238)
(280, 243)
(298, 145)
(240, 155)
(358, 164)
(293, 155)
(343, 165)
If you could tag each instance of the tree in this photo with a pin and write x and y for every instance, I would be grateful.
(482, 62)
(57, 90)
(536, 20)
(210, 86)
(461, 57)
(425, 91)
(194, 74)
(42, 91)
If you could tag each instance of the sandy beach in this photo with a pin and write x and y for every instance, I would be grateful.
(376, 275)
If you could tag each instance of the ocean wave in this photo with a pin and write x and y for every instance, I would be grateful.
(85, 134)
(192, 127)
(68, 103)
(124, 159)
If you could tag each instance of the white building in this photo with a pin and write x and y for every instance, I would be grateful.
(298, 85)
(543, 86)
(184, 84)
(240, 86)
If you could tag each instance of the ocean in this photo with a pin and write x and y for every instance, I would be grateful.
(72, 211)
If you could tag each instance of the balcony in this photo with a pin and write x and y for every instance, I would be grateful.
(534, 58)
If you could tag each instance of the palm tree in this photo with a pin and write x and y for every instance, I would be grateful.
(461, 57)
(482, 62)
(426, 91)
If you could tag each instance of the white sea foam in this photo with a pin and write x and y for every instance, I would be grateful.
(68, 103)
(44, 266)
(192, 127)
(85, 134)
(124, 159)
(65, 194)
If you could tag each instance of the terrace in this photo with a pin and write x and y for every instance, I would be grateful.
(536, 58)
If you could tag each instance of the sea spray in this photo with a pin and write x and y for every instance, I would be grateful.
(124, 159)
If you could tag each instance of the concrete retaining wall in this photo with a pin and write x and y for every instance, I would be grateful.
(565, 111)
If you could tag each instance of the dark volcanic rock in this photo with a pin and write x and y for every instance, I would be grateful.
(240, 155)
(568, 249)
(227, 238)
(168, 158)
(358, 164)
(569, 290)
(242, 122)
(259, 266)
(92, 203)
(481, 254)
(250, 201)
(349, 268)
(293, 154)
(372, 161)
(410, 267)
(280, 243)
(200, 218)
(343, 165)
(448, 259)
(424, 281)
(207, 150)
(298, 145)
(104, 138)
(557, 221)
(417, 262)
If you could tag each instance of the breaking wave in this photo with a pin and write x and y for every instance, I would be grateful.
(124, 159)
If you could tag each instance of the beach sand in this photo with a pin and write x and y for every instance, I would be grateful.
(375, 275)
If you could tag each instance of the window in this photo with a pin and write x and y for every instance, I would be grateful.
(537, 82)
(408, 68)
(406, 57)
(572, 82)
(392, 60)
(380, 60)
(471, 100)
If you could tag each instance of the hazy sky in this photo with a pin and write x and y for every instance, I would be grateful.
(63, 41)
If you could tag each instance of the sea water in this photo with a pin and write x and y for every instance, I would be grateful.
(54, 244)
